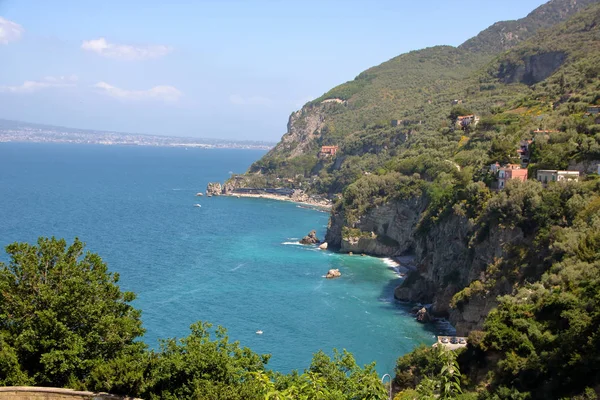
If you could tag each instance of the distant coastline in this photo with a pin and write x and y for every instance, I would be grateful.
(24, 132)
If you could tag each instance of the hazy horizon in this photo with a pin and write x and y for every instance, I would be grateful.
(229, 70)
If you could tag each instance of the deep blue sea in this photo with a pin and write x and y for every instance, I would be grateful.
(232, 262)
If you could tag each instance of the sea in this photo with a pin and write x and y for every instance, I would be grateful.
(234, 262)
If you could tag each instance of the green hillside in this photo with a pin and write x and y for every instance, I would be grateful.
(503, 35)
(541, 340)
(417, 88)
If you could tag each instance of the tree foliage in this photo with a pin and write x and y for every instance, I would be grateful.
(62, 316)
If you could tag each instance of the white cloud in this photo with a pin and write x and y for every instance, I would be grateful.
(124, 51)
(165, 93)
(251, 101)
(47, 82)
(9, 31)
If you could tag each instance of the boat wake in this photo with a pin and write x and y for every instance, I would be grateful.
(238, 267)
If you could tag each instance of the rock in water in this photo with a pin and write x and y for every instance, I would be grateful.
(214, 189)
(333, 273)
(311, 238)
(323, 246)
(423, 315)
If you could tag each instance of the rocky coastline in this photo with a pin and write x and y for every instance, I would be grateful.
(446, 258)
(281, 194)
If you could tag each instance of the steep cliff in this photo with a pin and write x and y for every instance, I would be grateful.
(304, 126)
(447, 256)
(387, 230)
(531, 69)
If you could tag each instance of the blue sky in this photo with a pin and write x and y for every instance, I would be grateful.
(225, 69)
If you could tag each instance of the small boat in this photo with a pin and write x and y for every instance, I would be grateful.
(259, 332)
(199, 194)
(197, 205)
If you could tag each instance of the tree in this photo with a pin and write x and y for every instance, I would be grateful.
(199, 367)
(65, 322)
(444, 380)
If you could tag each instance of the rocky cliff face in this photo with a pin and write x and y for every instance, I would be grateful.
(304, 126)
(384, 231)
(531, 69)
(214, 189)
(506, 34)
(448, 259)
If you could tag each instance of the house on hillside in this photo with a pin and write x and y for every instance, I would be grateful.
(465, 121)
(506, 174)
(456, 102)
(523, 152)
(553, 175)
(328, 151)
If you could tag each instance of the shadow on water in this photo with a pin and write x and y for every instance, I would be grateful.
(388, 301)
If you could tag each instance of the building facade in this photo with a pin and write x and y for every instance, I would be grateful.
(552, 175)
(508, 173)
(329, 150)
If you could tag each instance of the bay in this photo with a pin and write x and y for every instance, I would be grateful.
(233, 262)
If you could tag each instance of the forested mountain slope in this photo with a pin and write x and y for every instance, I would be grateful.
(401, 104)
(503, 35)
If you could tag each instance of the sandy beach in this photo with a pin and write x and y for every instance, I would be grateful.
(319, 205)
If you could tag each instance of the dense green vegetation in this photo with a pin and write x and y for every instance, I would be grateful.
(542, 341)
(64, 322)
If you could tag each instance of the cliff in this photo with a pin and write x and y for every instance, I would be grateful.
(447, 256)
(303, 129)
(387, 230)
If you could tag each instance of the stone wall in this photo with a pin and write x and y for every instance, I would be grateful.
(43, 393)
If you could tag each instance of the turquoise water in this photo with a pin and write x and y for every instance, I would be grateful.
(231, 262)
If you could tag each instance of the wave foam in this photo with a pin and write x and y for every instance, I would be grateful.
(390, 262)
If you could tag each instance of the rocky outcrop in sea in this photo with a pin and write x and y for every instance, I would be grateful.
(333, 273)
(214, 189)
(311, 238)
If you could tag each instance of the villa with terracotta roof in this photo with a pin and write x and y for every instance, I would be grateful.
(328, 150)
(508, 173)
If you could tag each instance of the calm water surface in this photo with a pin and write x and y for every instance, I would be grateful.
(232, 262)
